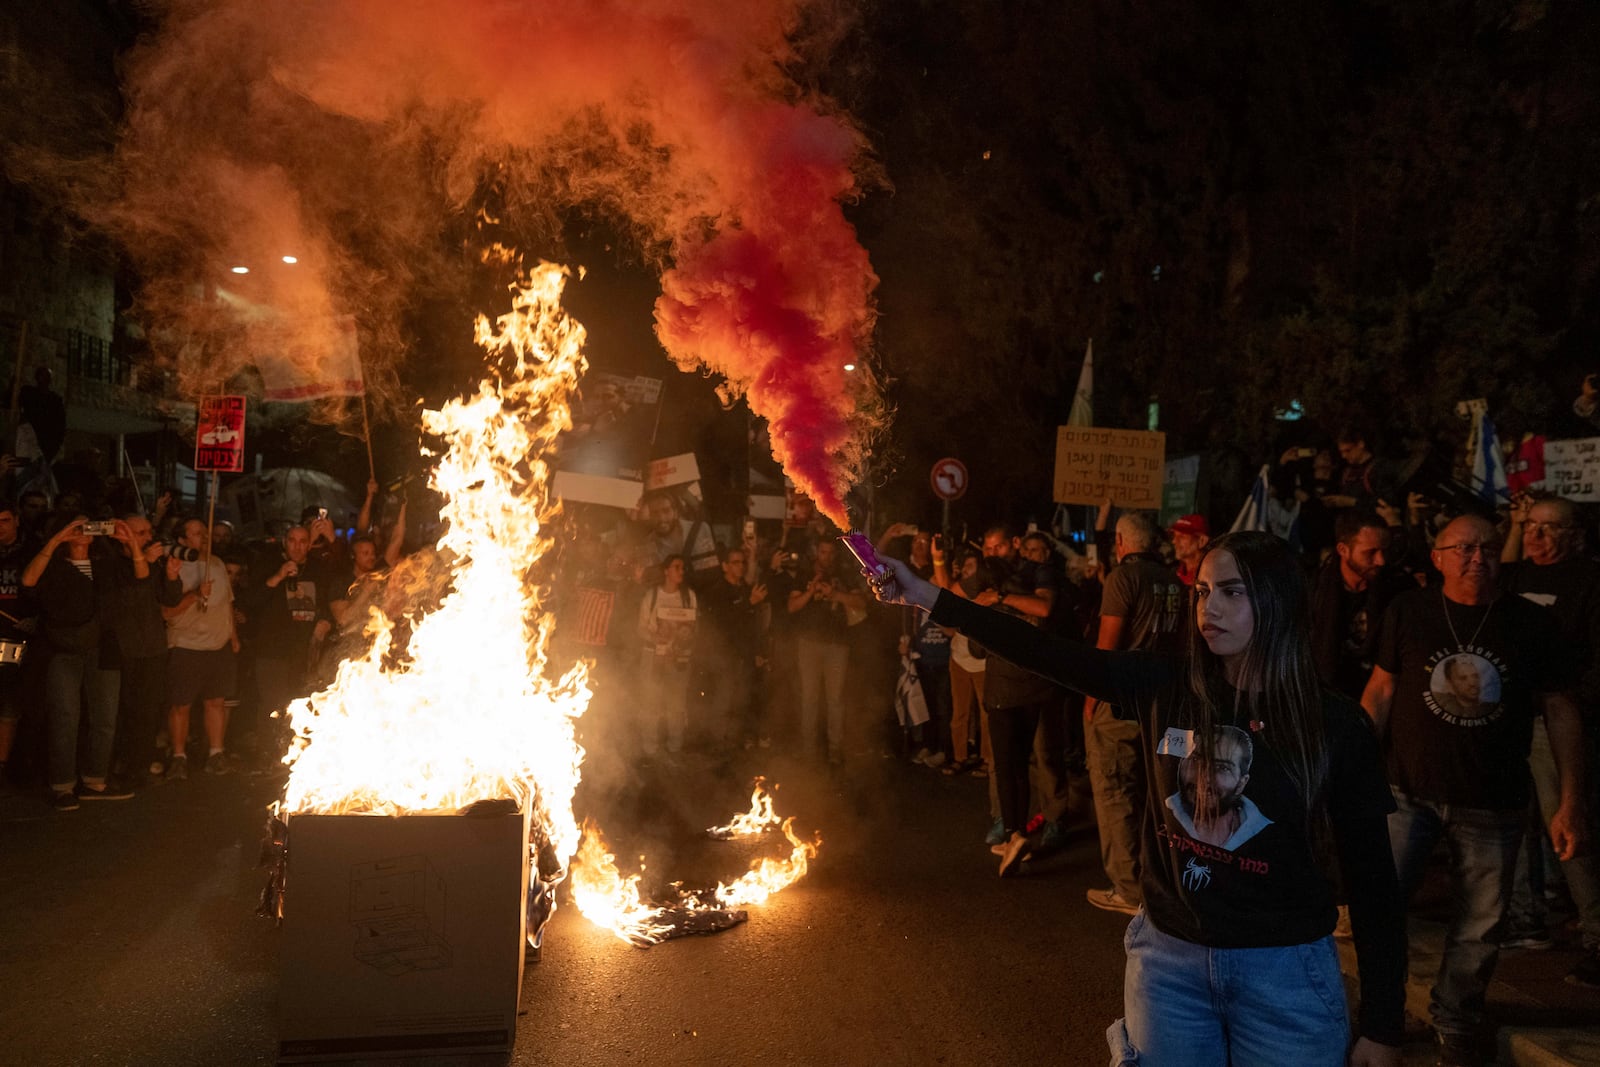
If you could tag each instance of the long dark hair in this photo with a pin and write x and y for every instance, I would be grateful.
(1278, 686)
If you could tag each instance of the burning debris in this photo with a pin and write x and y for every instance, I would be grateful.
(616, 902)
(468, 718)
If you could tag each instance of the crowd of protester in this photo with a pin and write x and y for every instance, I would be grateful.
(115, 624)
(1469, 633)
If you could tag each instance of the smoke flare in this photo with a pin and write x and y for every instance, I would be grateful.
(348, 133)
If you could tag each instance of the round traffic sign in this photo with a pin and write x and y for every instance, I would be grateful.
(949, 479)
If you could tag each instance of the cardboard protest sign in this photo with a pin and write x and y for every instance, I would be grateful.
(1572, 469)
(1125, 465)
(219, 434)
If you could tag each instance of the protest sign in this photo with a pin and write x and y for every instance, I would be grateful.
(1124, 465)
(1572, 469)
(219, 434)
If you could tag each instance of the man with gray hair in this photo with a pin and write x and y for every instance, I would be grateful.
(1140, 609)
(1545, 563)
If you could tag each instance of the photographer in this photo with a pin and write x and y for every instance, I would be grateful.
(291, 607)
(79, 584)
(141, 634)
(822, 610)
(203, 648)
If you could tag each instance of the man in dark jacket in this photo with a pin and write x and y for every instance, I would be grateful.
(79, 585)
(1352, 591)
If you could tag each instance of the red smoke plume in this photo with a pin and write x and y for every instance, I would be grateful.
(377, 119)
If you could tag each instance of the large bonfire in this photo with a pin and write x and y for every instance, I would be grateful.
(471, 710)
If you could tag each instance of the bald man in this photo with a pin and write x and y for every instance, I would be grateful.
(1461, 772)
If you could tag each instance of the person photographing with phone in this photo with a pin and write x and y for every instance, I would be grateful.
(1263, 784)
(80, 584)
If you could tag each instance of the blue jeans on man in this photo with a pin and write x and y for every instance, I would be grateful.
(71, 680)
(1483, 845)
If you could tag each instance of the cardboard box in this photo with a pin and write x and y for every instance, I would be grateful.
(402, 936)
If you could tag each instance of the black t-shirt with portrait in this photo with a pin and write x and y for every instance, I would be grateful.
(1259, 873)
(1466, 688)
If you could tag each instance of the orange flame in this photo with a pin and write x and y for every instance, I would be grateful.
(611, 900)
(470, 713)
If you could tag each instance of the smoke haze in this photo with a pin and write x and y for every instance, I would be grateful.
(349, 133)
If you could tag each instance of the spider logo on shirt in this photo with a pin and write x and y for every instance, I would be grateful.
(1196, 875)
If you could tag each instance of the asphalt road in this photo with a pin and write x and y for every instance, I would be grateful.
(128, 934)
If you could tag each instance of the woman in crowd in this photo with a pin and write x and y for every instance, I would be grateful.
(1270, 788)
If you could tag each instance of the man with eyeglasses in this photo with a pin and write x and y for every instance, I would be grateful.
(1464, 777)
(1555, 573)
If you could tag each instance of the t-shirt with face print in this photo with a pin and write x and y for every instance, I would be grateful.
(1466, 688)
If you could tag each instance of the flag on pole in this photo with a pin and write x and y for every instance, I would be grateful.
(1253, 516)
(314, 361)
(1488, 463)
(1082, 413)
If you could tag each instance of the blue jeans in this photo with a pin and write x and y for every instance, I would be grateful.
(68, 680)
(1192, 1006)
(1483, 847)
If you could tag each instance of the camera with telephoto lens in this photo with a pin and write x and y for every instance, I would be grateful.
(182, 553)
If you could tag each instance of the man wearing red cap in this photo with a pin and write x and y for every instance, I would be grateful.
(1190, 535)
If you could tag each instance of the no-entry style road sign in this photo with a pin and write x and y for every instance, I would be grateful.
(949, 479)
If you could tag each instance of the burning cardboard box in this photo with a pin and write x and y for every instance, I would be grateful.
(402, 935)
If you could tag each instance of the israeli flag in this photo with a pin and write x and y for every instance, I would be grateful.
(1489, 462)
(1253, 516)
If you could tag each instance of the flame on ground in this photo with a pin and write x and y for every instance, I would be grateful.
(469, 711)
(758, 820)
(613, 901)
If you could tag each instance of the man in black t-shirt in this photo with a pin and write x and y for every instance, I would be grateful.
(292, 614)
(1457, 753)
(1556, 575)
(727, 642)
(1140, 608)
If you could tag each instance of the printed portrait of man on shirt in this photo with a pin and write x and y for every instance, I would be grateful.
(1229, 817)
(1465, 686)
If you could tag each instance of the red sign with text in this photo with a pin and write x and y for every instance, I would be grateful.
(219, 434)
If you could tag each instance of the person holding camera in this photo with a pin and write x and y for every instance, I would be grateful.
(291, 608)
(141, 635)
(203, 649)
(822, 610)
(79, 584)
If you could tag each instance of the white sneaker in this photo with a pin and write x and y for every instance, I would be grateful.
(937, 759)
(921, 756)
